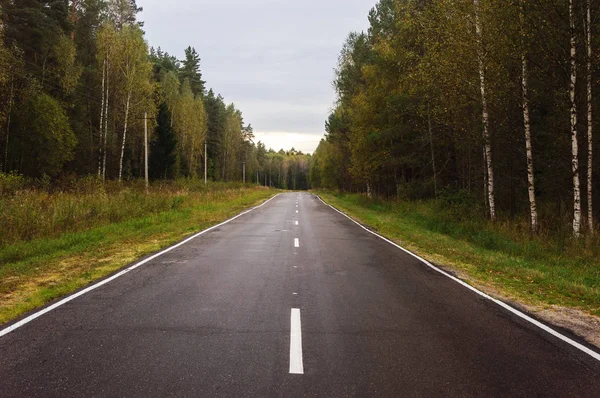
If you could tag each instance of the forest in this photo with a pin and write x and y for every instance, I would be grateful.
(80, 88)
(489, 102)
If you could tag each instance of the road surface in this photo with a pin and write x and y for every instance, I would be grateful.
(289, 300)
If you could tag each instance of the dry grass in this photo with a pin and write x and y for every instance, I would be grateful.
(79, 236)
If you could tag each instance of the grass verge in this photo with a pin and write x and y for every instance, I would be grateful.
(38, 270)
(541, 271)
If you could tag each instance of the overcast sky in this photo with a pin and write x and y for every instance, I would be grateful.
(273, 58)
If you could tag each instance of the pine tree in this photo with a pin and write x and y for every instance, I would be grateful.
(190, 70)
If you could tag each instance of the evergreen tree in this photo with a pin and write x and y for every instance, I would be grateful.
(163, 157)
(190, 70)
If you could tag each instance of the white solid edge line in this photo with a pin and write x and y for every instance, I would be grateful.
(296, 242)
(502, 304)
(296, 366)
(121, 273)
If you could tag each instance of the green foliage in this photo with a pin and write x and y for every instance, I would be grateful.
(409, 99)
(44, 135)
(190, 71)
(11, 183)
(92, 79)
(163, 156)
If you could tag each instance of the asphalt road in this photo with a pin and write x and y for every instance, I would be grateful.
(289, 300)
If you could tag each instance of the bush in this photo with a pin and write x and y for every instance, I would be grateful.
(11, 183)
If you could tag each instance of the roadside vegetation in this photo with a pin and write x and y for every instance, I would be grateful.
(57, 237)
(465, 131)
(552, 268)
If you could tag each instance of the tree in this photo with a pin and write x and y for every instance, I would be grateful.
(45, 141)
(123, 13)
(131, 60)
(191, 128)
(190, 70)
(106, 38)
(232, 141)
(574, 143)
(163, 157)
(590, 158)
(484, 113)
(527, 123)
(216, 112)
(90, 59)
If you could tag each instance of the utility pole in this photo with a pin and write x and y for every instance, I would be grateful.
(205, 163)
(257, 180)
(244, 172)
(146, 148)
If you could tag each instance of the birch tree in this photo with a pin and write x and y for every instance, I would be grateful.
(574, 143)
(588, 25)
(101, 127)
(526, 123)
(105, 43)
(484, 112)
(135, 71)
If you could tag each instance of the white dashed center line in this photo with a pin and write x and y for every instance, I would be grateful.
(296, 366)
(296, 242)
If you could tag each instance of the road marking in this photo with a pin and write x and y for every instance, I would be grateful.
(296, 222)
(296, 242)
(43, 311)
(296, 211)
(296, 366)
(295, 294)
(502, 304)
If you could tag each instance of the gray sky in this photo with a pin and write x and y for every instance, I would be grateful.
(273, 58)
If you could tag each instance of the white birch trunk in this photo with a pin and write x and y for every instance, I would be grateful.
(527, 126)
(485, 116)
(124, 135)
(101, 120)
(485, 182)
(589, 117)
(574, 143)
(106, 121)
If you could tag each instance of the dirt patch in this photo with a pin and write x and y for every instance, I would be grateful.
(582, 324)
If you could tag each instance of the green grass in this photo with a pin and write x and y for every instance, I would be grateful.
(67, 253)
(502, 257)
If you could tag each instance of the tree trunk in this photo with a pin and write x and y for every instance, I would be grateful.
(101, 120)
(589, 117)
(574, 143)
(484, 114)
(106, 121)
(73, 18)
(527, 126)
(124, 135)
(485, 184)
